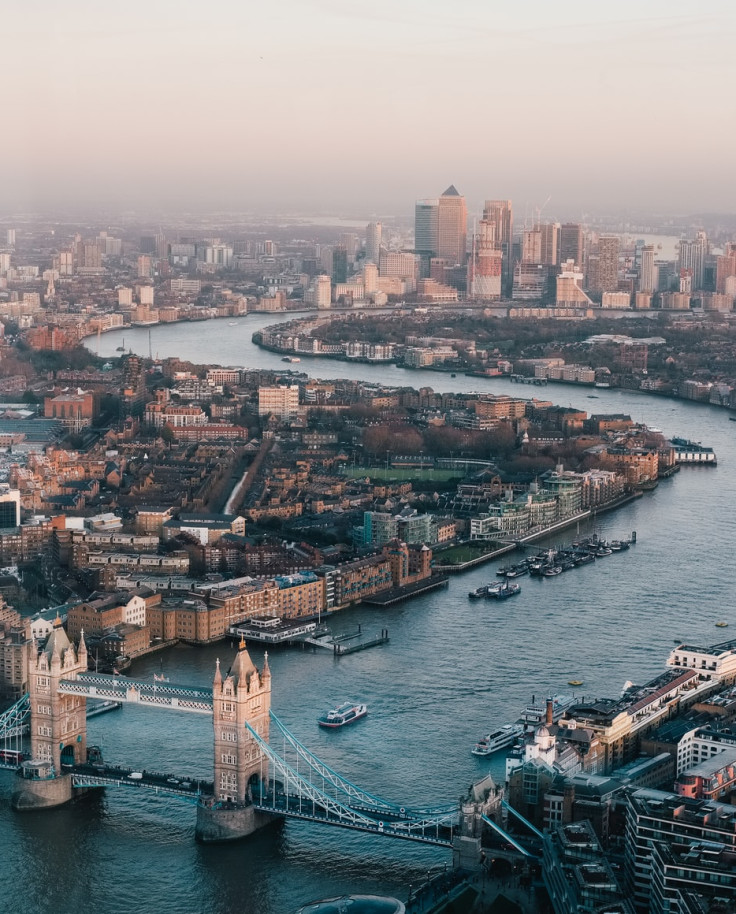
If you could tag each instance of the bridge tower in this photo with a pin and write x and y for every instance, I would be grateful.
(242, 694)
(58, 723)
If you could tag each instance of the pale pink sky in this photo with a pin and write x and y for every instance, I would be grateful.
(358, 106)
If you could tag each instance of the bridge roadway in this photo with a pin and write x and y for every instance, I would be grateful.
(189, 789)
(377, 822)
(147, 694)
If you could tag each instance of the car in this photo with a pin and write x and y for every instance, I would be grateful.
(186, 784)
(172, 780)
(136, 775)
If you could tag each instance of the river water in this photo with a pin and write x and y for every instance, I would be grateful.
(453, 669)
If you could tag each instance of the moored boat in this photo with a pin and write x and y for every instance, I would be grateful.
(498, 739)
(505, 590)
(343, 714)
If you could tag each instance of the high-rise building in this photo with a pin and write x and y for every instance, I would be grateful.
(548, 242)
(500, 214)
(485, 264)
(426, 228)
(373, 235)
(349, 241)
(10, 236)
(9, 507)
(570, 245)
(725, 267)
(692, 257)
(531, 246)
(144, 266)
(281, 402)
(452, 226)
(339, 264)
(648, 272)
(602, 266)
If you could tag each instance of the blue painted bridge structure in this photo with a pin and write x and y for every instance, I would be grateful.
(290, 782)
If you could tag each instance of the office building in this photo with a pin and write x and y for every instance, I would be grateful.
(548, 242)
(339, 264)
(499, 212)
(648, 271)
(281, 402)
(373, 235)
(692, 258)
(570, 244)
(485, 265)
(426, 227)
(602, 266)
(9, 507)
(452, 227)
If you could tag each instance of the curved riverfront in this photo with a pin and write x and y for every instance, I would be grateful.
(453, 670)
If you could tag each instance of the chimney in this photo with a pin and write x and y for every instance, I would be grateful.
(549, 715)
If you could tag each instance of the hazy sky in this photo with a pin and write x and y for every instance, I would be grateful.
(361, 106)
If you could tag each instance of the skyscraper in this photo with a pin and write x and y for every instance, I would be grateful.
(452, 227)
(339, 264)
(548, 242)
(373, 235)
(426, 214)
(648, 272)
(499, 213)
(485, 264)
(570, 245)
(692, 257)
(603, 265)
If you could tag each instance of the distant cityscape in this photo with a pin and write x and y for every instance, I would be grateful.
(147, 502)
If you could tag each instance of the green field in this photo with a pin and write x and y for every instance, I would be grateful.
(400, 474)
(465, 552)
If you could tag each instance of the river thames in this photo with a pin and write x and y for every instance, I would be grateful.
(453, 669)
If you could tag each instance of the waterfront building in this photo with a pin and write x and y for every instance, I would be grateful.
(104, 611)
(717, 662)
(577, 874)
(662, 828)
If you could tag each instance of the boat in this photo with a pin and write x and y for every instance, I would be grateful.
(343, 714)
(504, 591)
(478, 592)
(575, 682)
(552, 571)
(534, 714)
(721, 624)
(232, 323)
(732, 418)
(499, 739)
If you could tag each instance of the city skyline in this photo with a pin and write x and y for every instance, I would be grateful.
(327, 107)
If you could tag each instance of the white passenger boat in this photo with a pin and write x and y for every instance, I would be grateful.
(343, 714)
(499, 739)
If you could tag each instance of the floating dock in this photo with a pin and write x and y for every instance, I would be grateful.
(349, 643)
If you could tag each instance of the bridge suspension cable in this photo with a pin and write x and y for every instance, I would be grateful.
(299, 798)
(14, 724)
(357, 796)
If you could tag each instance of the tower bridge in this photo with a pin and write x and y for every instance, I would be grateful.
(253, 782)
